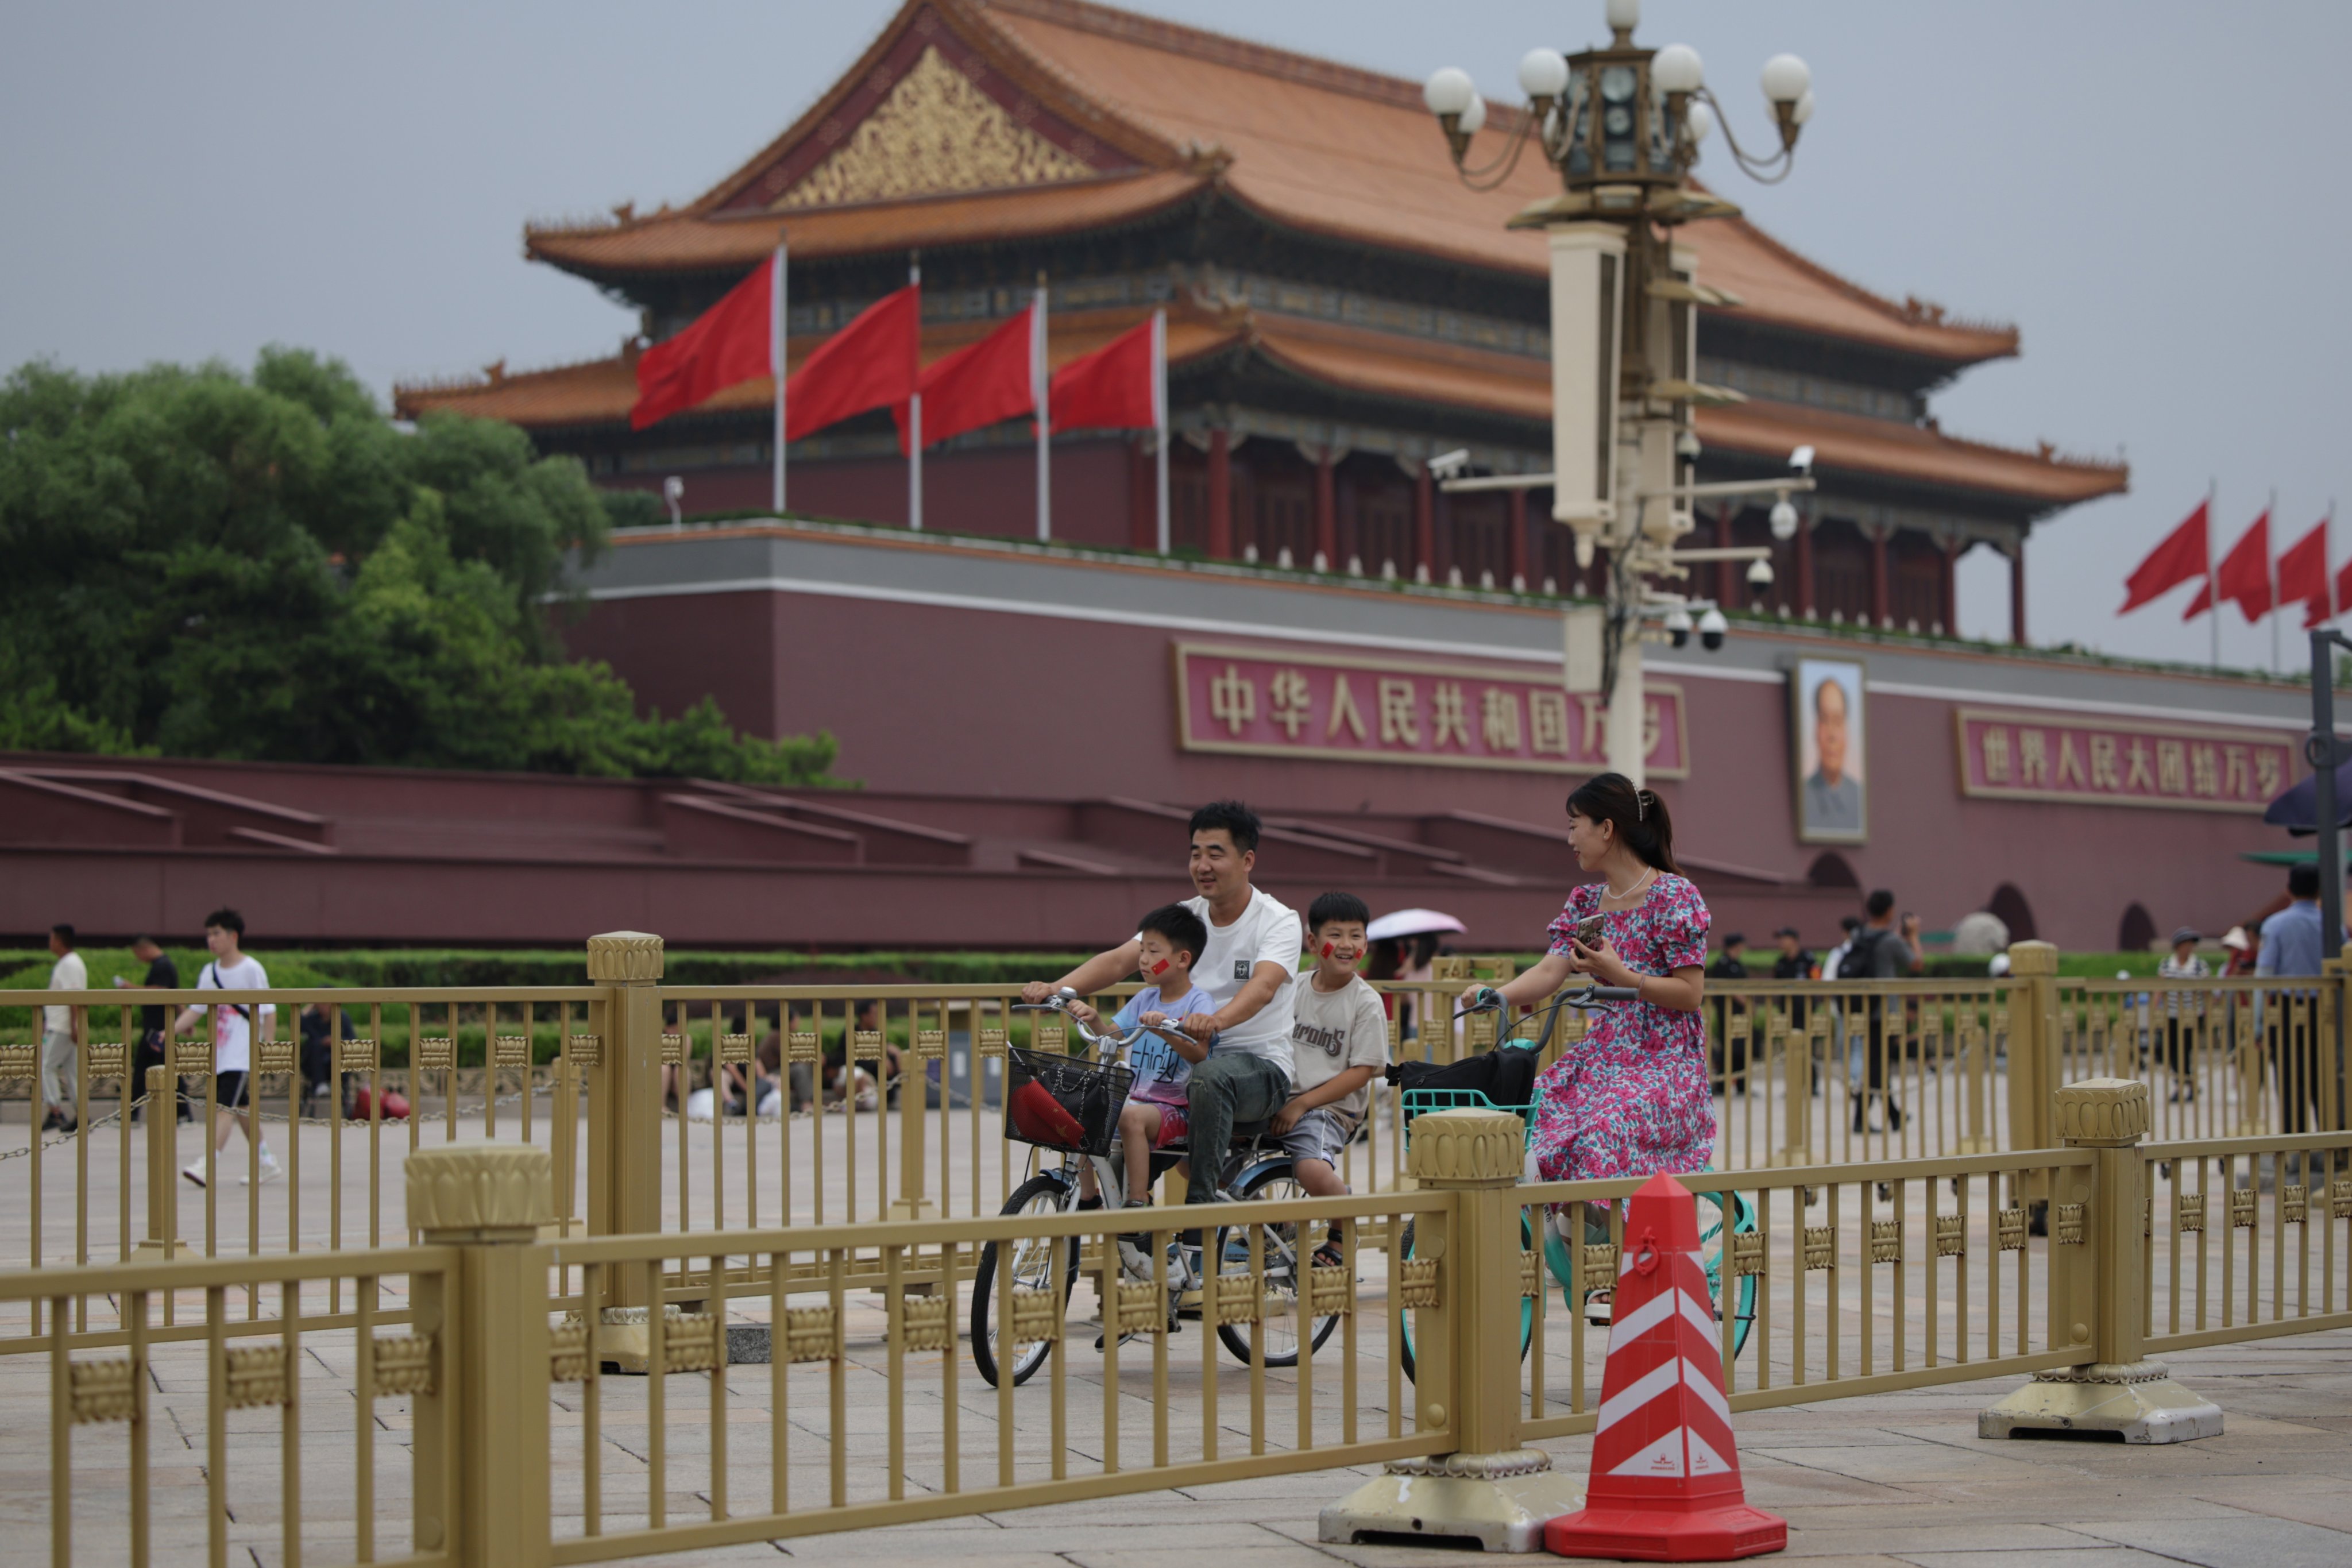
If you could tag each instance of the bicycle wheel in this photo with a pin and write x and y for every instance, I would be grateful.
(1710, 1251)
(1526, 1308)
(1033, 1269)
(1597, 1294)
(1277, 1326)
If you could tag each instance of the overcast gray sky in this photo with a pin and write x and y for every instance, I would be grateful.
(2143, 185)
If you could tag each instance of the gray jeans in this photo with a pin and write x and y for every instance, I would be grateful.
(58, 1064)
(1222, 1091)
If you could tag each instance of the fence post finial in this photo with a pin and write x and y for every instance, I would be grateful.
(481, 1430)
(2097, 1270)
(1495, 1490)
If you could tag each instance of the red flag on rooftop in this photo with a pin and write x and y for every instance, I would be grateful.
(2183, 557)
(869, 363)
(978, 384)
(2242, 576)
(2303, 577)
(1117, 388)
(728, 344)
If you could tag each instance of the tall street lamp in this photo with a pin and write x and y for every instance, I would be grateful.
(1622, 125)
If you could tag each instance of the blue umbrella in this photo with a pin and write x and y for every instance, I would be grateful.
(2297, 810)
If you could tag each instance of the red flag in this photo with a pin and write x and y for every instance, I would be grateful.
(978, 384)
(2303, 577)
(1113, 388)
(727, 344)
(869, 363)
(2244, 575)
(2181, 558)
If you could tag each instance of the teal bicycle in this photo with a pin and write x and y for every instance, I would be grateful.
(1713, 1210)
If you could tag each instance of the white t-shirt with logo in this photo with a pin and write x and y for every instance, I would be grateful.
(1335, 1030)
(232, 1035)
(1268, 932)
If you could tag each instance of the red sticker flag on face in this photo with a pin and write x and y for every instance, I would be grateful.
(728, 344)
(1114, 388)
(978, 384)
(2303, 577)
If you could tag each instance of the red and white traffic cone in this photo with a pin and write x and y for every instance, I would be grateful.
(1666, 1474)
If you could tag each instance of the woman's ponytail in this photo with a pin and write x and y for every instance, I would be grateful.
(1639, 815)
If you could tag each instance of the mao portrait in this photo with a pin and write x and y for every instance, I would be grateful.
(1832, 792)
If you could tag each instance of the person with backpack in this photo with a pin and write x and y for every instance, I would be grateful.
(232, 969)
(1876, 951)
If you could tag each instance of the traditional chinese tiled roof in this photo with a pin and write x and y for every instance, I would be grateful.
(1358, 361)
(1083, 115)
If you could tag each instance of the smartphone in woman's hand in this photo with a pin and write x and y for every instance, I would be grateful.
(1588, 930)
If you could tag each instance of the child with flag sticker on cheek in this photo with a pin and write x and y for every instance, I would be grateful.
(1169, 940)
(1338, 1043)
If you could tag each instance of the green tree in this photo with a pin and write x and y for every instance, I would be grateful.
(204, 563)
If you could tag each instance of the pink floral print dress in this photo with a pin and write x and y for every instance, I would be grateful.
(1632, 1099)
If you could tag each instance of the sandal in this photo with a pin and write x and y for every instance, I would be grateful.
(1328, 1256)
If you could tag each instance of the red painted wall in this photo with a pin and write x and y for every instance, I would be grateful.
(967, 702)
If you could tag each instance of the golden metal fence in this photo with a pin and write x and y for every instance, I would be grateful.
(313, 1375)
(1471, 1330)
(611, 1076)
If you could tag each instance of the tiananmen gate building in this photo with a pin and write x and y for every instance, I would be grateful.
(1373, 662)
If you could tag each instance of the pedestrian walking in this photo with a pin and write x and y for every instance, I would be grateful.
(232, 969)
(154, 1047)
(2292, 944)
(2183, 963)
(60, 1058)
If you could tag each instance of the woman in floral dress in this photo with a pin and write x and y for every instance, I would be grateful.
(1632, 1098)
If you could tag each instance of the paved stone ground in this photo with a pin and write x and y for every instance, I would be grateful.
(1899, 1479)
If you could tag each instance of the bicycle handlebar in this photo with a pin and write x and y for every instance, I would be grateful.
(1060, 1003)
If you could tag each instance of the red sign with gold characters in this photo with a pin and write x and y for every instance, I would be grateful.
(2105, 762)
(1273, 703)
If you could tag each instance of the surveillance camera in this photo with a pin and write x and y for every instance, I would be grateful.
(673, 487)
(1687, 445)
(1678, 626)
(1711, 628)
(1445, 465)
(1801, 460)
(1759, 574)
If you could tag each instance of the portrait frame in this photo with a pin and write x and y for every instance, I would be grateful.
(1828, 810)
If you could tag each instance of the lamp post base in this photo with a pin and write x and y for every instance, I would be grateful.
(2138, 1400)
(1502, 1501)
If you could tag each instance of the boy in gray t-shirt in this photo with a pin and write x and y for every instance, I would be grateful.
(1338, 1043)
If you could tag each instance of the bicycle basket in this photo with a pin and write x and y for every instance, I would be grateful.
(1415, 1102)
(1063, 1102)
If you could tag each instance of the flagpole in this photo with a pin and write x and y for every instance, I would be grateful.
(915, 404)
(2213, 598)
(779, 326)
(1041, 387)
(1159, 415)
(2273, 555)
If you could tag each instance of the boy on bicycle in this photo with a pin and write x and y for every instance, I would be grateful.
(1338, 1043)
(1168, 940)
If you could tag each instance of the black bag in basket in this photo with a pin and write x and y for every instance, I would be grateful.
(1063, 1102)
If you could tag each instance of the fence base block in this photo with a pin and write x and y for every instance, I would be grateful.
(2138, 1399)
(1500, 1501)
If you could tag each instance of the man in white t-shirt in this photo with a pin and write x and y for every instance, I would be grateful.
(1249, 968)
(61, 1058)
(232, 969)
